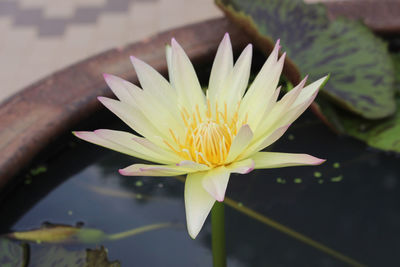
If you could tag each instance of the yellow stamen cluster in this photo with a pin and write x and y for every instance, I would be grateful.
(208, 137)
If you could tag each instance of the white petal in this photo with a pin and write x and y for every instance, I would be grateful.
(168, 55)
(242, 167)
(261, 94)
(271, 122)
(154, 170)
(95, 139)
(120, 88)
(153, 105)
(303, 101)
(216, 181)
(156, 88)
(239, 143)
(222, 67)
(267, 160)
(264, 142)
(193, 165)
(139, 144)
(309, 91)
(266, 80)
(127, 147)
(135, 119)
(160, 116)
(237, 81)
(198, 203)
(185, 80)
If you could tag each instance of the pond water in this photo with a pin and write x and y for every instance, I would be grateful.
(350, 204)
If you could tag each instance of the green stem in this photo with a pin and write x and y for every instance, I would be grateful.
(218, 234)
(138, 230)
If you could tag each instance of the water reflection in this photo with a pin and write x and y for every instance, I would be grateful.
(350, 204)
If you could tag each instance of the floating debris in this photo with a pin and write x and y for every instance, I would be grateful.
(320, 181)
(297, 180)
(139, 183)
(291, 137)
(337, 178)
(317, 174)
(336, 165)
(38, 170)
(279, 180)
(70, 212)
(240, 204)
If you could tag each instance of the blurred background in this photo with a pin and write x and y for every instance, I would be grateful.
(39, 37)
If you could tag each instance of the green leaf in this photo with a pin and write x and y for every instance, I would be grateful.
(48, 256)
(382, 134)
(56, 256)
(396, 61)
(362, 79)
(11, 254)
(98, 258)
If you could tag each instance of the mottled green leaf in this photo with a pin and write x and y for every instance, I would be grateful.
(98, 258)
(11, 253)
(382, 134)
(362, 79)
(49, 256)
(396, 60)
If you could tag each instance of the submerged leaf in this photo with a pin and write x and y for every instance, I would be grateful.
(56, 234)
(362, 71)
(48, 233)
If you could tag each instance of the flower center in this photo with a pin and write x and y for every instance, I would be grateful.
(208, 137)
(209, 142)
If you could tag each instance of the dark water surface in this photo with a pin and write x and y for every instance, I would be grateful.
(350, 204)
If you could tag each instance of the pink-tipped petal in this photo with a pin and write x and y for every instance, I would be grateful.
(186, 83)
(121, 88)
(152, 170)
(221, 68)
(242, 167)
(198, 203)
(267, 160)
(216, 181)
(240, 142)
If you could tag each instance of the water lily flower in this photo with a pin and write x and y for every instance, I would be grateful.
(206, 136)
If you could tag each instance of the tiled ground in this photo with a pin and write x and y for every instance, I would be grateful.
(41, 36)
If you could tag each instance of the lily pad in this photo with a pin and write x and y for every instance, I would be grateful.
(396, 60)
(382, 134)
(11, 253)
(59, 256)
(362, 79)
